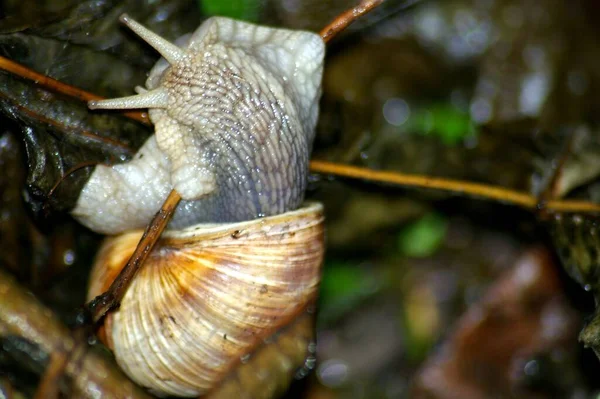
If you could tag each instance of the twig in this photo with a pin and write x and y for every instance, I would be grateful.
(344, 20)
(91, 373)
(50, 384)
(60, 87)
(99, 306)
(463, 187)
(68, 173)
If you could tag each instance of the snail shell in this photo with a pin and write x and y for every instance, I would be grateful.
(210, 295)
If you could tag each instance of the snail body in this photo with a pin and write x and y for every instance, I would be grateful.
(234, 111)
(238, 269)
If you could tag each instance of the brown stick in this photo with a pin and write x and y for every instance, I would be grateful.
(479, 190)
(60, 87)
(109, 300)
(49, 386)
(6, 388)
(92, 373)
(344, 20)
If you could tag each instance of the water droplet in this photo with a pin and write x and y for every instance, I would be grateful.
(333, 373)
(69, 257)
(396, 111)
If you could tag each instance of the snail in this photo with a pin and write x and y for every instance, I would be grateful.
(234, 112)
(234, 109)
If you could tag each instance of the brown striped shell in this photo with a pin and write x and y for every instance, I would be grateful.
(212, 300)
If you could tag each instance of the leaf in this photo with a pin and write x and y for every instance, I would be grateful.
(81, 44)
(452, 125)
(60, 134)
(248, 10)
(577, 242)
(423, 237)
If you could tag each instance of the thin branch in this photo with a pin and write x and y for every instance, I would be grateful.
(39, 116)
(90, 371)
(49, 386)
(344, 20)
(110, 299)
(60, 87)
(461, 187)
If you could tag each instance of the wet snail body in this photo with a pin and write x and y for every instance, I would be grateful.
(234, 111)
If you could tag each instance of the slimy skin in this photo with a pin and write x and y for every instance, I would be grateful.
(234, 111)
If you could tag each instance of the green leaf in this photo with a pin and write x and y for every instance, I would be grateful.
(340, 281)
(248, 10)
(445, 121)
(423, 237)
(343, 286)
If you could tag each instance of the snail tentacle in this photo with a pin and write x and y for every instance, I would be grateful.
(157, 98)
(168, 50)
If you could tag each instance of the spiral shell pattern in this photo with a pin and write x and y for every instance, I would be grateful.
(208, 296)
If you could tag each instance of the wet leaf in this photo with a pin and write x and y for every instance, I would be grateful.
(434, 72)
(60, 135)
(504, 346)
(81, 44)
(582, 164)
(577, 242)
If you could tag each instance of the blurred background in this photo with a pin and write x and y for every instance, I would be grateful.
(424, 294)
